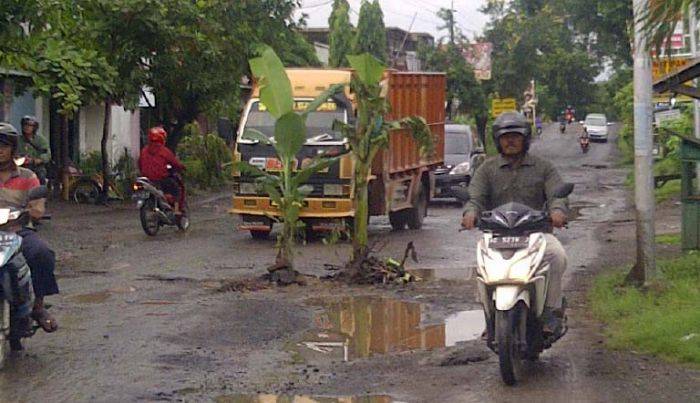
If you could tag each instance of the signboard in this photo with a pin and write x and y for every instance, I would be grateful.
(478, 55)
(499, 106)
(664, 116)
(664, 66)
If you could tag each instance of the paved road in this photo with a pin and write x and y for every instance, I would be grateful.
(146, 319)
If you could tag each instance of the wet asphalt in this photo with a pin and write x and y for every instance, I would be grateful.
(151, 319)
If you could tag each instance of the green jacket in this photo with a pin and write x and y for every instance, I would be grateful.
(532, 183)
(39, 148)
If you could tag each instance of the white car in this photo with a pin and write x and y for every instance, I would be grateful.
(597, 126)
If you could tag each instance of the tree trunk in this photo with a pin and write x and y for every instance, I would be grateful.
(361, 204)
(104, 194)
(65, 161)
(481, 121)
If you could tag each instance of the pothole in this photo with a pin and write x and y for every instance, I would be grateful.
(361, 327)
(265, 398)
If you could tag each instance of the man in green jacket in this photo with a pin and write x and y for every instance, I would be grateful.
(34, 148)
(516, 176)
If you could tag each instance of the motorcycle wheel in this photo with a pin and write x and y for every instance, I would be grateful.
(149, 219)
(85, 191)
(510, 333)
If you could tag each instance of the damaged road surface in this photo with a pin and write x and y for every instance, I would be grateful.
(184, 317)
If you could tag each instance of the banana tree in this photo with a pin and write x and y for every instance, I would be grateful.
(369, 135)
(287, 188)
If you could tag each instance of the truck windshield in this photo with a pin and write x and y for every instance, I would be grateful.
(319, 124)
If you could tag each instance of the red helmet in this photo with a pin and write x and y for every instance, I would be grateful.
(157, 135)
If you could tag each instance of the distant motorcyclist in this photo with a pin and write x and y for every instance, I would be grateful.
(153, 164)
(516, 176)
(570, 114)
(15, 184)
(34, 148)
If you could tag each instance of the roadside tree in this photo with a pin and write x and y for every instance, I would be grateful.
(340, 36)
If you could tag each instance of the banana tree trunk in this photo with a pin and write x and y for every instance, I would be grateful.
(361, 205)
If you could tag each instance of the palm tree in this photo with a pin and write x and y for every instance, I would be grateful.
(661, 17)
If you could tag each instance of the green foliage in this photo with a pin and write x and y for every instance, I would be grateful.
(287, 189)
(669, 239)
(340, 36)
(126, 172)
(672, 189)
(461, 82)
(207, 159)
(660, 320)
(661, 17)
(90, 163)
(371, 33)
(623, 101)
(533, 41)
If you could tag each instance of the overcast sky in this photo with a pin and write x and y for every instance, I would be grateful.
(399, 13)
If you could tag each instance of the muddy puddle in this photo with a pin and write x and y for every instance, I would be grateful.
(581, 210)
(361, 327)
(300, 399)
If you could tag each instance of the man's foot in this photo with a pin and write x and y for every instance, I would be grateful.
(44, 319)
(553, 320)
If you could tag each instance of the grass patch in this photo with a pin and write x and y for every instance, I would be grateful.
(669, 190)
(663, 320)
(669, 239)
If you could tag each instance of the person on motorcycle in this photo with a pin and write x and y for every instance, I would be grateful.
(517, 176)
(34, 148)
(15, 184)
(153, 164)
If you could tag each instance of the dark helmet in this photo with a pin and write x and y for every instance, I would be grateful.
(32, 120)
(8, 135)
(511, 122)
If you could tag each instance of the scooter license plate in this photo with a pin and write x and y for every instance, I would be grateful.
(509, 242)
(140, 195)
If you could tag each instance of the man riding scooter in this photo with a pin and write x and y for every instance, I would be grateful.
(153, 164)
(34, 148)
(516, 176)
(15, 184)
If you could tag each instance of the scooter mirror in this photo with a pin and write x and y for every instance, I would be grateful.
(564, 190)
(39, 192)
(460, 193)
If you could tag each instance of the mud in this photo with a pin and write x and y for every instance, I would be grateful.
(142, 318)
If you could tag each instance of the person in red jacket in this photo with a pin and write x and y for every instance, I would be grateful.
(154, 161)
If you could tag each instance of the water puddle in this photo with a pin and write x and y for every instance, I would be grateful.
(300, 399)
(361, 327)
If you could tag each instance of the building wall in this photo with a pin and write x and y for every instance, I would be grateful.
(124, 131)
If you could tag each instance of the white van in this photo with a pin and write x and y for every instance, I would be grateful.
(597, 126)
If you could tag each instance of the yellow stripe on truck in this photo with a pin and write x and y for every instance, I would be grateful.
(313, 207)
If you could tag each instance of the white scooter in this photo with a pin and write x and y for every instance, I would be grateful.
(512, 283)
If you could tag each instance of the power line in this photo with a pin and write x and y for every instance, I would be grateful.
(316, 5)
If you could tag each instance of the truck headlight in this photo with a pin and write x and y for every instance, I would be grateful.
(461, 169)
(248, 188)
(332, 189)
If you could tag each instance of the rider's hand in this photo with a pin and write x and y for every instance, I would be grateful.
(558, 218)
(469, 221)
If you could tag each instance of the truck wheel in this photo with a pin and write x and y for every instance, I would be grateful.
(417, 213)
(397, 219)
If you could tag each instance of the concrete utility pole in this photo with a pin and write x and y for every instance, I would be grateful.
(452, 23)
(645, 269)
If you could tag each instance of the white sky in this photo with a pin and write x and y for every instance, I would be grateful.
(399, 13)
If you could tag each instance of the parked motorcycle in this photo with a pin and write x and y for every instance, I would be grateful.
(512, 283)
(156, 208)
(16, 291)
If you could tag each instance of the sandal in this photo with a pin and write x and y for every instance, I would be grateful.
(45, 320)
